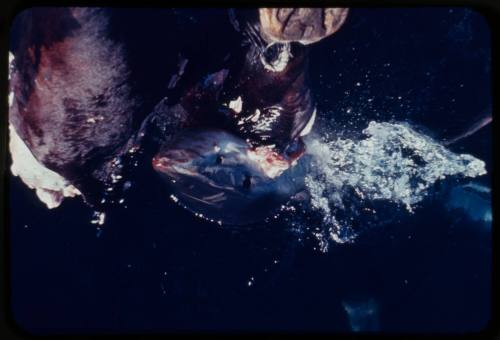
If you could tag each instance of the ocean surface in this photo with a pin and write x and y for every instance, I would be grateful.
(345, 260)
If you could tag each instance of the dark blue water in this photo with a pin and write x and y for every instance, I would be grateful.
(154, 267)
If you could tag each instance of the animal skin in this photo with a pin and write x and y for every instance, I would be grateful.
(82, 82)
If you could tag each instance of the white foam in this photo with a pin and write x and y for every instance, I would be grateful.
(393, 163)
(51, 188)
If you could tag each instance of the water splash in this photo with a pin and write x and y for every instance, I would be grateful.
(390, 163)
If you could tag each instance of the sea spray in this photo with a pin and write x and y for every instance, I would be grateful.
(390, 163)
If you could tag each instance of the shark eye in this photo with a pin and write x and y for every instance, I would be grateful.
(219, 159)
(247, 182)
